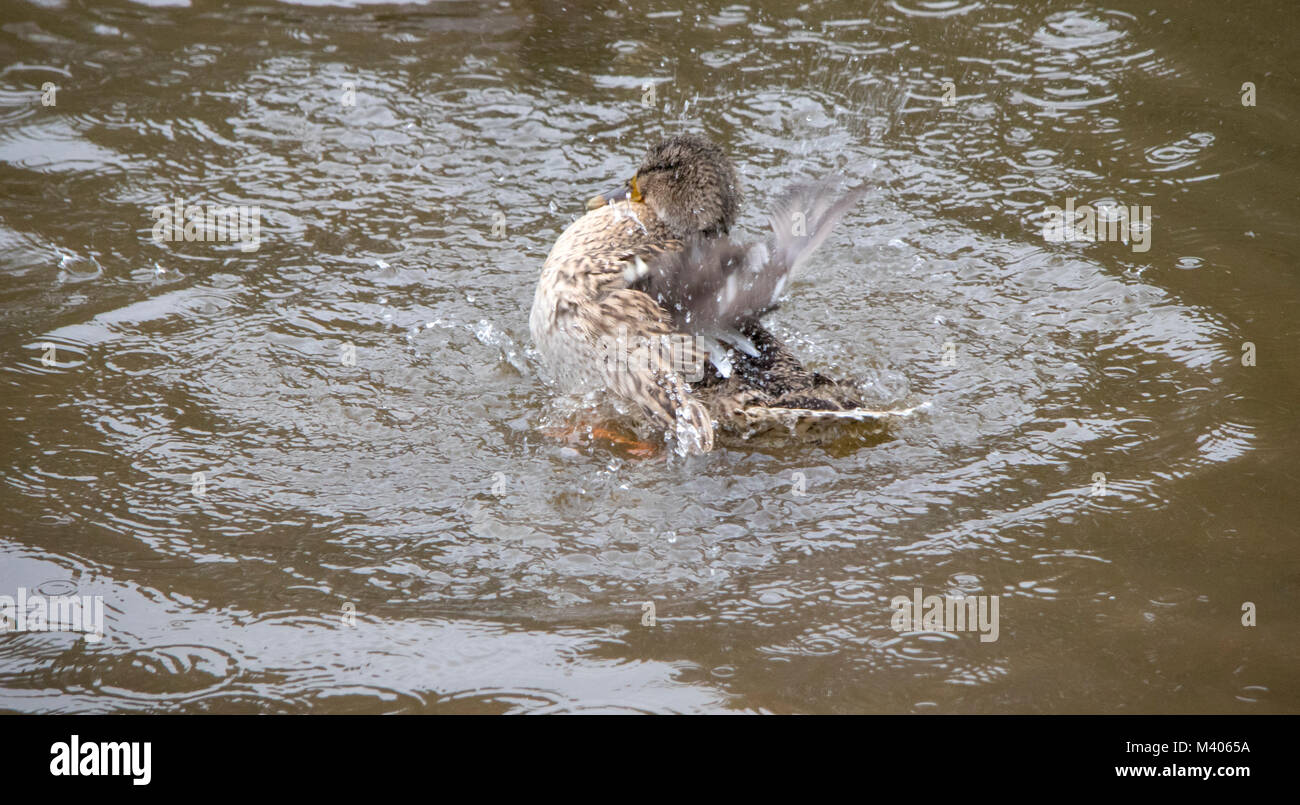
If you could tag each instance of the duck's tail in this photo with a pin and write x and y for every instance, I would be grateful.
(806, 423)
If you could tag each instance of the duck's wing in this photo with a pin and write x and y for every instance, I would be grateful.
(708, 287)
(712, 286)
(802, 219)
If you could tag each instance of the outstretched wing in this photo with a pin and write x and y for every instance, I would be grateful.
(711, 287)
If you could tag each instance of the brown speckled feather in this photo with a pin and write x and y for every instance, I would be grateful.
(594, 331)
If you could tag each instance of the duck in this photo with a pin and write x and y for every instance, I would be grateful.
(648, 298)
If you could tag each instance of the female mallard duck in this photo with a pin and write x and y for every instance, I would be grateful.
(636, 293)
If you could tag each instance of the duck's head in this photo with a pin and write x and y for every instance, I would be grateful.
(688, 182)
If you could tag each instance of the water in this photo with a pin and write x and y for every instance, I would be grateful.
(389, 521)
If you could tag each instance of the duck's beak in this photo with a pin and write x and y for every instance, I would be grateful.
(624, 192)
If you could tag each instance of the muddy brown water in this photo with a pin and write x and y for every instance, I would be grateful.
(316, 475)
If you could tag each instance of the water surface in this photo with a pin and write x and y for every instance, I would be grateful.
(387, 522)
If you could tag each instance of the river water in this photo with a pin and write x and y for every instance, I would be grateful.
(319, 471)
